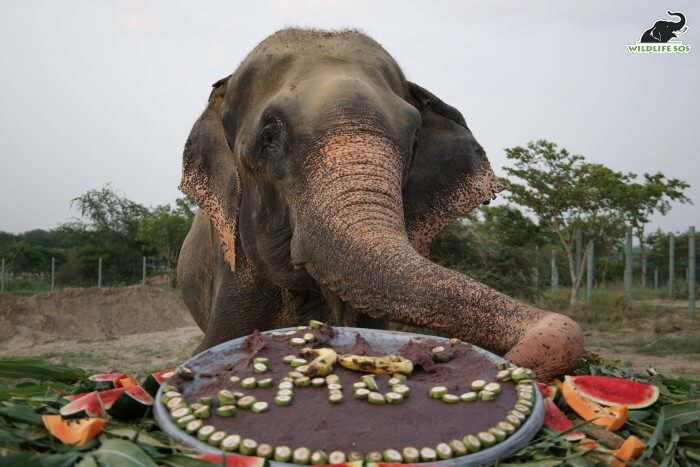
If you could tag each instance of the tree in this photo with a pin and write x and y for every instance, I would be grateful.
(566, 193)
(475, 248)
(104, 210)
(513, 227)
(27, 258)
(642, 200)
(109, 223)
(165, 229)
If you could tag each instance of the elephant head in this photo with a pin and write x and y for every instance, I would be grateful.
(664, 31)
(333, 173)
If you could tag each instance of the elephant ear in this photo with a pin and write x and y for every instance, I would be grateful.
(209, 174)
(450, 174)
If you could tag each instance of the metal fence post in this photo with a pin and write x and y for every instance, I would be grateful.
(671, 260)
(628, 262)
(555, 273)
(143, 272)
(577, 259)
(691, 270)
(53, 273)
(99, 272)
(536, 270)
(2, 276)
(656, 279)
(589, 272)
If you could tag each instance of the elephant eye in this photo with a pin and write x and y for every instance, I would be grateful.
(269, 137)
(414, 149)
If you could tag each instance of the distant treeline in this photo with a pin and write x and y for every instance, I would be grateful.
(110, 227)
(573, 207)
(498, 245)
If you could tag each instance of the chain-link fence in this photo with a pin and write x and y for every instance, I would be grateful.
(665, 267)
(60, 273)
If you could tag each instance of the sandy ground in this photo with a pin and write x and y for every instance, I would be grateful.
(141, 329)
(687, 365)
(138, 328)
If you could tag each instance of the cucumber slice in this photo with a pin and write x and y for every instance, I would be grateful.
(282, 453)
(410, 454)
(231, 443)
(319, 458)
(226, 411)
(428, 455)
(264, 450)
(301, 455)
(444, 451)
(392, 456)
(248, 446)
(472, 443)
(437, 392)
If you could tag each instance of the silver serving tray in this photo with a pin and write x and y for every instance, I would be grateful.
(384, 341)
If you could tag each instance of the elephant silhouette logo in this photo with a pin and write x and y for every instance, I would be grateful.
(662, 37)
(663, 31)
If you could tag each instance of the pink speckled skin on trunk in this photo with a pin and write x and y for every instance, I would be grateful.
(325, 175)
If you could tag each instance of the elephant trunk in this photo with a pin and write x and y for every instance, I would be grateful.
(356, 245)
(681, 23)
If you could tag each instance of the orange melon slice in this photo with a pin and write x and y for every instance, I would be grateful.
(75, 432)
(631, 449)
(126, 383)
(612, 418)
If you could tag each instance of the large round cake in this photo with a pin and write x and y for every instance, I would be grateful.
(318, 394)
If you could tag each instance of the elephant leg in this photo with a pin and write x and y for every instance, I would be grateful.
(195, 270)
(241, 305)
(224, 304)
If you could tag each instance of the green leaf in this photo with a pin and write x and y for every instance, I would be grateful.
(639, 414)
(691, 441)
(181, 460)
(120, 453)
(21, 413)
(129, 432)
(19, 435)
(671, 416)
(87, 461)
(31, 389)
(35, 368)
(681, 413)
(39, 460)
(540, 463)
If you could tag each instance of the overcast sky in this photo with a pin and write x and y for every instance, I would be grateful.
(94, 92)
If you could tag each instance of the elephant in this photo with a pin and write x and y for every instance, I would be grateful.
(664, 31)
(322, 176)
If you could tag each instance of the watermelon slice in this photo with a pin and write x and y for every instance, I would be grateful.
(73, 397)
(609, 391)
(555, 420)
(547, 391)
(89, 405)
(233, 460)
(110, 396)
(377, 464)
(132, 402)
(106, 380)
(154, 380)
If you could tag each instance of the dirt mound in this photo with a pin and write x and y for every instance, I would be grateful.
(86, 315)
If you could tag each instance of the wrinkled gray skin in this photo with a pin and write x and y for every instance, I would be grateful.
(322, 175)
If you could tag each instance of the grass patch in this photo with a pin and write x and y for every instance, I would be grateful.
(26, 287)
(81, 358)
(671, 345)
